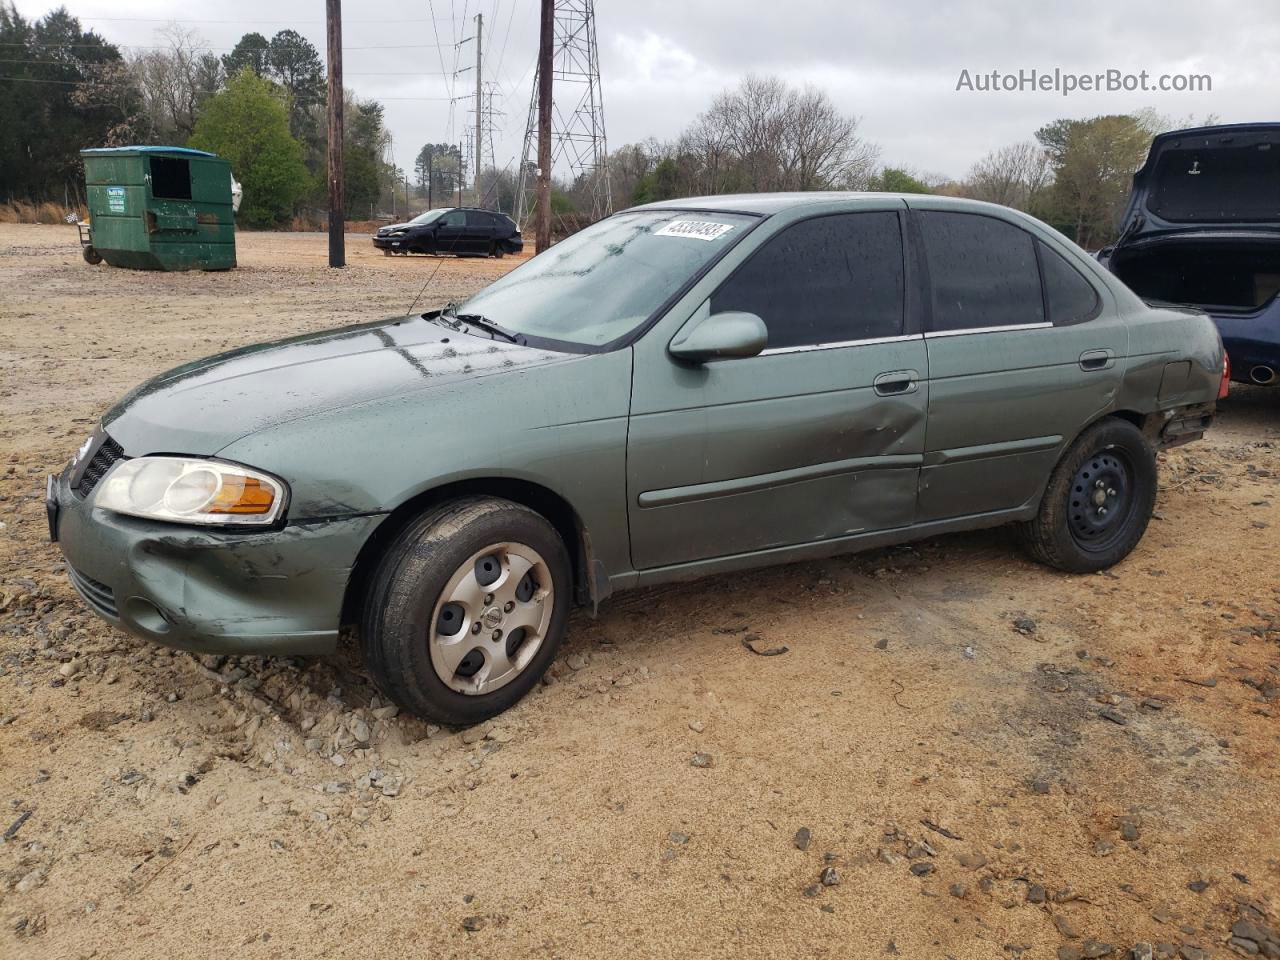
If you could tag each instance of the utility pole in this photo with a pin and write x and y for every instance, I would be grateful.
(479, 101)
(337, 208)
(462, 171)
(431, 175)
(546, 44)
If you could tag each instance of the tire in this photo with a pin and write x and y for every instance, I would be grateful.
(408, 623)
(1098, 502)
(92, 256)
(496, 251)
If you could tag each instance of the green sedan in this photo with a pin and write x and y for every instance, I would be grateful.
(683, 389)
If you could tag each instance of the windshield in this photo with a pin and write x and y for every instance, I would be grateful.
(429, 215)
(603, 282)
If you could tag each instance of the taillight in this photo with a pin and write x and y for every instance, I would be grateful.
(1225, 387)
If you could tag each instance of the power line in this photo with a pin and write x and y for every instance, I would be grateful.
(289, 20)
(105, 45)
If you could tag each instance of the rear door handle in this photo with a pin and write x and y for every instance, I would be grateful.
(1097, 359)
(896, 383)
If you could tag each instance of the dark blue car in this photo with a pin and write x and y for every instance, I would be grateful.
(1203, 228)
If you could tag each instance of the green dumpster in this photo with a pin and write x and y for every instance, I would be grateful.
(160, 208)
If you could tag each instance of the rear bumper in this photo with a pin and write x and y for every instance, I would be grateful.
(1252, 341)
(267, 592)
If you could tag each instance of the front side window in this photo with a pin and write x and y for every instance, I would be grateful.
(602, 283)
(831, 279)
(983, 271)
(427, 217)
(454, 218)
(1070, 297)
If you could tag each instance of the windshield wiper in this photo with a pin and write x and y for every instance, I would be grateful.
(442, 317)
(493, 329)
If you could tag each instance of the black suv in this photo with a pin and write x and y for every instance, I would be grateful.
(452, 230)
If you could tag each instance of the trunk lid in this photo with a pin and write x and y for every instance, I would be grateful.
(1207, 178)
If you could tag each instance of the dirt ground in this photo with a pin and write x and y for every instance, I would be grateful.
(996, 760)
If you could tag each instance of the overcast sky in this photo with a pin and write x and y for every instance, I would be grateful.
(893, 63)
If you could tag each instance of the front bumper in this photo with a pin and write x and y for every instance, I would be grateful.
(210, 591)
(391, 243)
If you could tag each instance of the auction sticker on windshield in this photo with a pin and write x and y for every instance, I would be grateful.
(694, 229)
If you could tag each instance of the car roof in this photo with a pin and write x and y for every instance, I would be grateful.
(767, 204)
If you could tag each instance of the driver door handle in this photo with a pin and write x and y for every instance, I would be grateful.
(896, 382)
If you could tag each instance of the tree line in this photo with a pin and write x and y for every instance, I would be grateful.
(765, 135)
(262, 106)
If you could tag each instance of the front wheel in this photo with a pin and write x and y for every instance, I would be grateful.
(91, 255)
(467, 610)
(1098, 502)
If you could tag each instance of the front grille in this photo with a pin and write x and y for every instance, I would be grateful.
(97, 595)
(102, 461)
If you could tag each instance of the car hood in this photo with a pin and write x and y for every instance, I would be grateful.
(202, 407)
(395, 226)
(1207, 178)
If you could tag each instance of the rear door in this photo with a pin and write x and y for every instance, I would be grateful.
(1022, 356)
(820, 436)
(480, 231)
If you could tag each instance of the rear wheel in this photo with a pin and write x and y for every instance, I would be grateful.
(467, 610)
(92, 256)
(1098, 501)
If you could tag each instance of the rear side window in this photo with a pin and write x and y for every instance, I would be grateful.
(1070, 297)
(983, 271)
(826, 280)
(477, 218)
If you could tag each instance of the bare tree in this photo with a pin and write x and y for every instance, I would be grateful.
(175, 82)
(1015, 176)
(765, 135)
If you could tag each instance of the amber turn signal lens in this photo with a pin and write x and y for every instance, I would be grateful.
(242, 495)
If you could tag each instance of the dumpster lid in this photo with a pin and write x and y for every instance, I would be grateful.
(188, 151)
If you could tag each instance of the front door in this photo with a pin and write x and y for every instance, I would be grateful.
(451, 233)
(820, 437)
(1024, 352)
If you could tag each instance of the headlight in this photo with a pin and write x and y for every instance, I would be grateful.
(183, 490)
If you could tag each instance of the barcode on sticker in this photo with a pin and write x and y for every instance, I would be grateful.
(694, 229)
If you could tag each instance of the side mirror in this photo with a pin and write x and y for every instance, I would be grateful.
(721, 335)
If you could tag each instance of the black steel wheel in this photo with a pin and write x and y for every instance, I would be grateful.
(1098, 500)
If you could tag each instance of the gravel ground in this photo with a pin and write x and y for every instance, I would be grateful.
(960, 754)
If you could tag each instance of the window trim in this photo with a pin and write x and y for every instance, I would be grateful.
(934, 334)
(868, 341)
(907, 283)
(1044, 288)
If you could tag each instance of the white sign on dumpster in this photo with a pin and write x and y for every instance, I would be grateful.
(115, 199)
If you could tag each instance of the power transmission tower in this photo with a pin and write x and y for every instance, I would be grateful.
(484, 151)
(577, 126)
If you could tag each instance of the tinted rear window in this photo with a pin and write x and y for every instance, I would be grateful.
(825, 280)
(983, 271)
(1071, 298)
